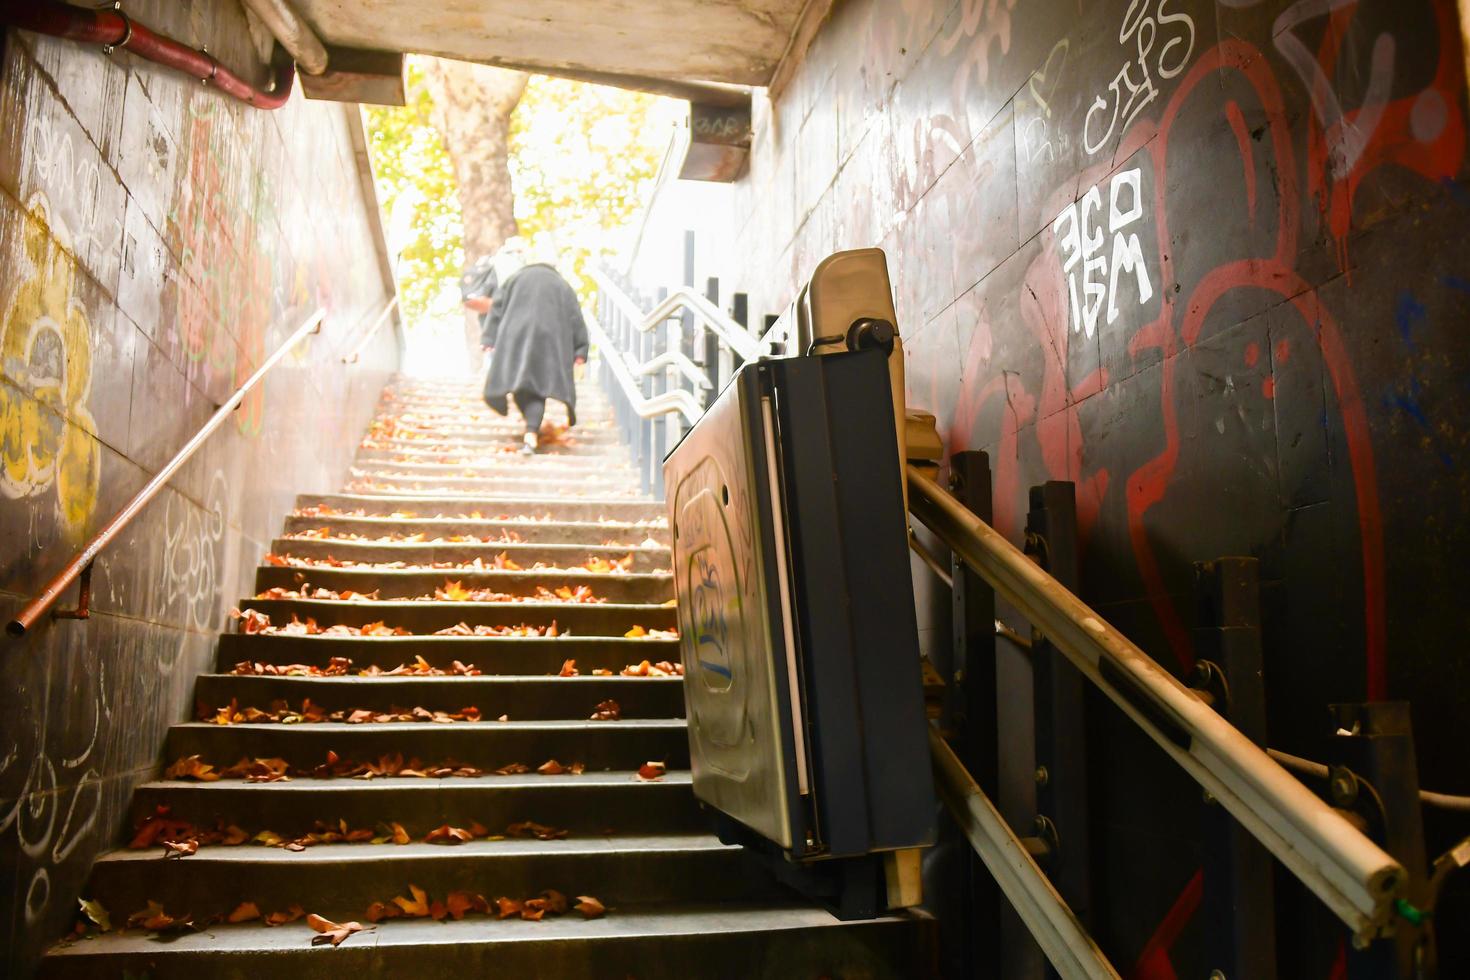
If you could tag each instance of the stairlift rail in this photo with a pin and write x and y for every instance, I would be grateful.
(1352, 875)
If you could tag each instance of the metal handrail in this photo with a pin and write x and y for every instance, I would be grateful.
(1057, 930)
(1355, 877)
(81, 565)
(731, 333)
(678, 362)
(643, 406)
(372, 330)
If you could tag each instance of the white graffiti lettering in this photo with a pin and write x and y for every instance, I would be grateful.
(1133, 88)
(1080, 238)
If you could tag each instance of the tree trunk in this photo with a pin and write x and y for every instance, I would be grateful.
(472, 105)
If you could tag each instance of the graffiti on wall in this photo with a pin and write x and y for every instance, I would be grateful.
(1159, 42)
(188, 569)
(224, 291)
(1080, 236)
(45, 351)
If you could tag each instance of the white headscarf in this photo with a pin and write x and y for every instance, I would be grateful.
(510, 259)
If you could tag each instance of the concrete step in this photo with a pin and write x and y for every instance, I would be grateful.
(549, 493)
(591, 804)
(535, 534)
(509, 655)
(520, 698)
(544, 486)
(601, 746)
(620, 588)
(570, 509)
(452, 429)
(616, 451)
(425, 618)
(498, 464)
(762, 941)
(339, 881)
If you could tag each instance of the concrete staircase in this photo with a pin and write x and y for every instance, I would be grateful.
(376, 736)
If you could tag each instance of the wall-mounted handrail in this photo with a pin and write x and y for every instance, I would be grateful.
(643, 406)
(732, 334)
(1355, 877)
(81, 565)
(372, 330)
(1055, 927)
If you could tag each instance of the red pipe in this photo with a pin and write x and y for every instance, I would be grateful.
(114, 29)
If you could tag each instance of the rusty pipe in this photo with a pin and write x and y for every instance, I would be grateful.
(294, 33)
(114, 29)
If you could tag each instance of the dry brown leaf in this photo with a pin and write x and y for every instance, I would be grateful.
(458, 903)
(331, 932)
(281, 918)
(590, 907)
(244, 912)
(180, 848)
(445, 834)
(418, 906)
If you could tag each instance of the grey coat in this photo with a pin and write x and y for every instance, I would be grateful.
(537, 330)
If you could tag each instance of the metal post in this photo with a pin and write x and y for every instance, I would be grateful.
(1376, 743)
(740, 313)
(1060, 709)
(1239, 902)
(972, 704)
(711, 347)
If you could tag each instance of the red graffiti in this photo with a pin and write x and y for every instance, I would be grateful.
(1154, 963)
(1409, 133)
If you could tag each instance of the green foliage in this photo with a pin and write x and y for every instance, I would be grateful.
(582, 162)
(419, 195)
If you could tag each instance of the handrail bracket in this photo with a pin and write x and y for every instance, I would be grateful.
(83, 608)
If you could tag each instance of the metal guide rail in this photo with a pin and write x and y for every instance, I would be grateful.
(1352, 875)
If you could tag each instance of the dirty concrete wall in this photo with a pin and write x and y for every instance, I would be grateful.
(157, 241)
(1208, 261)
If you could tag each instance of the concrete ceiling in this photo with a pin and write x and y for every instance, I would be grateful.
(733, 41)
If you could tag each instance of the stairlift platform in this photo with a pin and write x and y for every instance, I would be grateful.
(802, 680)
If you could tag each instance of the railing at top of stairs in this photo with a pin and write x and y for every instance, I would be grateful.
(79, 569)
(663, 368)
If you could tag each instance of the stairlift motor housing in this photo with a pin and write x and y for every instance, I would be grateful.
(802, 673)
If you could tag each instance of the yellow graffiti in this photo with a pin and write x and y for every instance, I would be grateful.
(45, 354)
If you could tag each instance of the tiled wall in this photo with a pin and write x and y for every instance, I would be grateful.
(1207, 261)
(157, 241)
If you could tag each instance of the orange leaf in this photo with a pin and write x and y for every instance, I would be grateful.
(506, 907)
(244, 912)
(400, 836)
(418, 906)
(458, 903)
(332, 932)
(378, 911)
(446, 834)
(651, 771)
(281, 918)
(590, 907)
